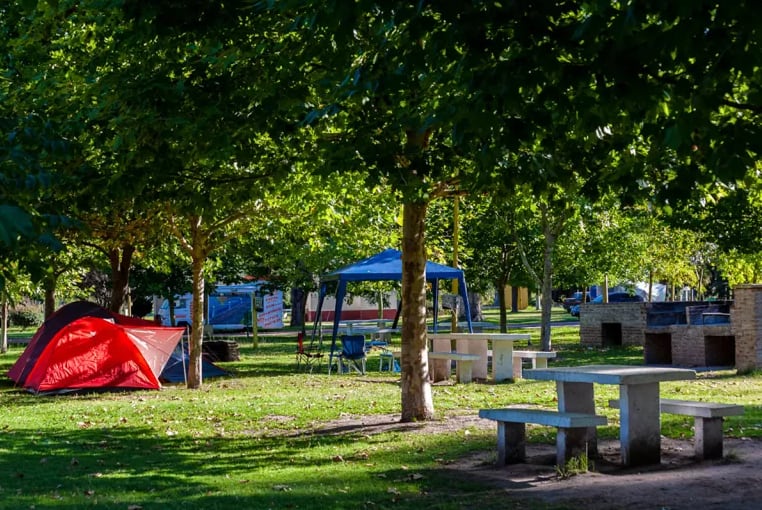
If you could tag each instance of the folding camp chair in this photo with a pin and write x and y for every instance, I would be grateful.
(388, 361)
(352, 355)
(308, 357)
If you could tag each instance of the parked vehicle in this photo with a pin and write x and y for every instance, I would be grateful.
(614, 297)
(574, 299)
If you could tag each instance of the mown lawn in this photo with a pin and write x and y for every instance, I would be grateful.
(244, 441)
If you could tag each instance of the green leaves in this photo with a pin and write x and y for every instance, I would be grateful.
(14, 223)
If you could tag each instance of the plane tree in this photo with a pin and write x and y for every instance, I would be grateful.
(426, 105)
(217, 106)
(388, 118)
(56, 54)
(31, 147)
(182, 120)
(25, 141)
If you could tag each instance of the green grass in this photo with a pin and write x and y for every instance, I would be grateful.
(528, 316)
(262, 438)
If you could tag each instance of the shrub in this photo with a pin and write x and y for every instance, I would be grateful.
(26, 314)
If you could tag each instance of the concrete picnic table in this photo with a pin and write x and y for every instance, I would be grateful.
(477, 343)
(640, 427)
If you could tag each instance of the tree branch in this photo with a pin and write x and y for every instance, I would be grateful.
(184, 243)
(743, 106)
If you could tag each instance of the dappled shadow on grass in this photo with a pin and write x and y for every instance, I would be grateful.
(360, 427)
(56, 465)
(370, 379)
(126, 465)
(25, 398)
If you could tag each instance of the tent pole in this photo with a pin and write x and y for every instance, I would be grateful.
(435, 296)
(341, 291)
(397, 315)
(318, 321)
(182, 357)
(466, 304)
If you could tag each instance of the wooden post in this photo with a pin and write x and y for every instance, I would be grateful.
(254, 334)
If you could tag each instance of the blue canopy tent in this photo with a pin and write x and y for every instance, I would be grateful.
(384, 266)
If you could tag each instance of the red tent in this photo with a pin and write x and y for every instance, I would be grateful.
(74, 350)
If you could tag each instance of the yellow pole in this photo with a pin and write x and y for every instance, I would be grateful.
(254, 332)
(455, 233)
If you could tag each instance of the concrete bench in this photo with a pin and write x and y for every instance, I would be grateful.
(463, 364)
(539, 360)
(708, 418)
(571, 438)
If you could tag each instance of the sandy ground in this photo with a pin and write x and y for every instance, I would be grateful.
(679, 482)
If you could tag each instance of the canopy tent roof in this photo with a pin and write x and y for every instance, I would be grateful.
(385, 266)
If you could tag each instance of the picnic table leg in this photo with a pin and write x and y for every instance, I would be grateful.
(571, 442)
(440, 368)
(574, 397)
(502, 360)
(464, 371)
(708, 437)
(511, 443)
(518, 368)
(640, 427)
(539, 362)
(479, 347)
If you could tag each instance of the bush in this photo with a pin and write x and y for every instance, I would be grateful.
(26, 314)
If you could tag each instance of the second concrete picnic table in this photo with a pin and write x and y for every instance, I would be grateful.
(477, 343)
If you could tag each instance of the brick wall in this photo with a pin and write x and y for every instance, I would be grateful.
(700, 346)
(739, 342)
(746, 319)
(601, 323)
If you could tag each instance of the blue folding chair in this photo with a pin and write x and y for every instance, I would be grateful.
(352, 355)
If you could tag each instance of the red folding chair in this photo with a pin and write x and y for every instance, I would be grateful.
(307, 358)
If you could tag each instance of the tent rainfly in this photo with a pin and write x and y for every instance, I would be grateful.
(83, 346)
(385, 266)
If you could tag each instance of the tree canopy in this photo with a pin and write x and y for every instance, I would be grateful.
(205, 123)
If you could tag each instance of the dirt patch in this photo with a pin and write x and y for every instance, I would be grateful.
(679, 482)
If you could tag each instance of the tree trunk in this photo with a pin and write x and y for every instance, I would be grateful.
(500, 286)
(298, 306)
(195, 377)
(49, 287)
(120, 275)
(475, 301)
(417, 402)
(547, 287)
(171, 302)
(4, 326)
(514, 299)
